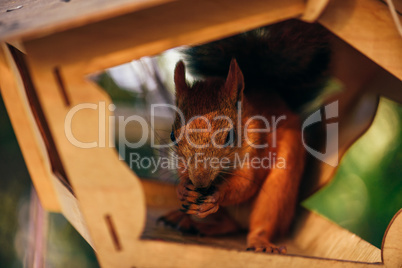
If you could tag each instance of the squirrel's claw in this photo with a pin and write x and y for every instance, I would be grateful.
(267, 247)
(197, 201)
(202, 210)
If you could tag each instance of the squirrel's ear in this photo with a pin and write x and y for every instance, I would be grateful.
(180, 78)
(235, 82)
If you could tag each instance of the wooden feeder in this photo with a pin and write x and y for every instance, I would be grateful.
(49, 47)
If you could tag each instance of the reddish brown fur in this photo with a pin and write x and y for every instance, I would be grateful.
(272, 191)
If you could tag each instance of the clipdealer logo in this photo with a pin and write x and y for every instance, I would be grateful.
(331, 154)
(106, 131)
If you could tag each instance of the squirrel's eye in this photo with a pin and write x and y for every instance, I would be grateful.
(172, 137)
(230, 137)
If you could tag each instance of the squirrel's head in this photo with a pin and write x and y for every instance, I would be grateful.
(206, 127)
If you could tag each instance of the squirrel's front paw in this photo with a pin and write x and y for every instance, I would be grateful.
(202, 208)
(198, 202)
(186, 192)
(265, 246)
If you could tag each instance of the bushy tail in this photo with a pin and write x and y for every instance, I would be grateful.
(290, 58)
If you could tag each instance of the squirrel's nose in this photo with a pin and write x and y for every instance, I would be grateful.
(199, 177)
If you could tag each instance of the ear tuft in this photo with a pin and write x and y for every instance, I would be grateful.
(180, 78)
(234, 82)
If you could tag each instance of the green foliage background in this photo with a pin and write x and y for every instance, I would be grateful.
(367, 189)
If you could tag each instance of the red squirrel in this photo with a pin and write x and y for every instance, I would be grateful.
(265, 73)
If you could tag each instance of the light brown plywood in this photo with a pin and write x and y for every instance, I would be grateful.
(26, 130)
(148, 32)
(314, 9)
(108, 204)
(367, 25)
(29, 19)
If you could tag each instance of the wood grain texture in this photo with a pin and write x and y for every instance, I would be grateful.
(178, 255)
(319, 237)
(71, 209)
(313, 236)
(398, 5)
(314, 9)
(391, 244)
(367, 25)
(26, 130)
(109, 195)
(109, 203)
(43, 17)
(151, 31)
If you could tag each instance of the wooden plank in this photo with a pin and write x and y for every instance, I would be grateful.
(391, 244)
(398, 5)
(176, 255)
(43, 17)
(28, 136)
(105, 188)
(394, 13)
(148, 32)
(310, 236)
(109, 195)
(312, 239)
(367, 25)
(314, 9)
(316, 236)
(71, 210)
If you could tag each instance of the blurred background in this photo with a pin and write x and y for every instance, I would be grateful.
(363, 196)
